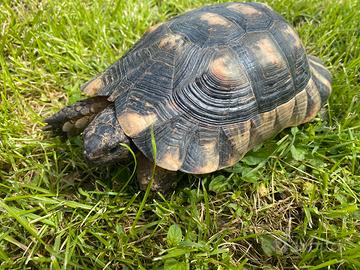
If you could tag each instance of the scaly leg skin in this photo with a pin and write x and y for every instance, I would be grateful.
(73, 119)
(164, 180)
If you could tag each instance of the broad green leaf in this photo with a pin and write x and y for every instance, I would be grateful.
(173, 264)
(174, 235)
(255, 158)
(218, 184)
(250, 175)
(294, 131)
(270, 245)
(297, 153)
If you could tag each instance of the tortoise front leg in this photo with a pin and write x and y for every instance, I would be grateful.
(164, 180)
(73, 119)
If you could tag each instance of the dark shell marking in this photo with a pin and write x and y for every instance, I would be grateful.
(211, 84)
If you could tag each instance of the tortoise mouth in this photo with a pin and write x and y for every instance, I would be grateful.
(102, 159)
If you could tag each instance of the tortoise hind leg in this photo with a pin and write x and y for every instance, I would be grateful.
(73, 119)
(164, 180)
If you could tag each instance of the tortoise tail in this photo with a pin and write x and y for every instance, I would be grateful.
(321, 76)
(73, 119)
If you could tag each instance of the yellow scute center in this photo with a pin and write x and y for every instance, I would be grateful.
(211, 158)
(133, 123)
(244, 9)
(214, 19)
(93, 87)
(170, 160)
(171, 42)
(227, 69)
(267, 53)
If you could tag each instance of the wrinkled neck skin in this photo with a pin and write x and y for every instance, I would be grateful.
(103, 139)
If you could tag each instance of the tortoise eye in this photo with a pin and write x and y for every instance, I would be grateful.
(112, 150)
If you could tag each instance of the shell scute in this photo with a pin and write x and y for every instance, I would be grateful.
(256, 17)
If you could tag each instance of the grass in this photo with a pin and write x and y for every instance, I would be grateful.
(291, 204)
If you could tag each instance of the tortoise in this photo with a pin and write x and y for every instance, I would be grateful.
(206, 86)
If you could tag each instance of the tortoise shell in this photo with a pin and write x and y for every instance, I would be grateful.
(211, 84)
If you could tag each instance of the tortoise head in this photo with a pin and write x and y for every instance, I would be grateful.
(103, 139)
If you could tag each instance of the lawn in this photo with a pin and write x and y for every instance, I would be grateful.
(292, 203)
